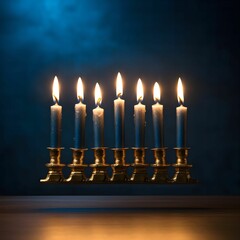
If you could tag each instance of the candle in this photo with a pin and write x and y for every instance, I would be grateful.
(119, 105)
(98, 119)
(157, 114)
(181, 113)
(139, 117)
(80, 116)
(56, 117)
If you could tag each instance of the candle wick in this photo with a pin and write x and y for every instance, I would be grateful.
(56, 100)
(98, 101)
(140, 100)
(79, 99)
(180, 101)
(119, 95)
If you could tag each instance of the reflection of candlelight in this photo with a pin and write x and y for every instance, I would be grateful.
(139, 117)
(56, 117)
(181, 112)
(119, 114)
(98, 119)
(157, 113)
(80, 116)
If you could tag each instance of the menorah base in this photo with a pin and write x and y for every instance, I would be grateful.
(77, 173)
(54, 173)
(160, 174)
(139, 173)
(99, 173)
(119, 173)
(182, 174)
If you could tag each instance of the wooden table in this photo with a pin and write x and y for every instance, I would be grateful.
(119, 217)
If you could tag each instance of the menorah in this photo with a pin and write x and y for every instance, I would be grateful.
(120, 167)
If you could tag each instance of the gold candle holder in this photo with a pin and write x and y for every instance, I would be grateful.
(77, 174)
(99, 173)
(119, 167)
(54, 167)
(139, 166)
(182, 168)
(160, 166)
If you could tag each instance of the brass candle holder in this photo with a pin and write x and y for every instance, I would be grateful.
(182, 168)
(160, 166)
(99, 173)
(77, 174)
(119, 167)
(54, 167)
(139, 166)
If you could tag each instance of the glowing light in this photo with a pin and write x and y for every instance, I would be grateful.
(180, 92)
(55, 90)
(98, 95)
(139, 90)
(119, 85)
(80, 94)
(156, 92)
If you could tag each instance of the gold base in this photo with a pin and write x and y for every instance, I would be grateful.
(160, 174)
(99, 173)
(77, 174)
(139, 166)
(119, 167)
(182, 169)
(54, 167)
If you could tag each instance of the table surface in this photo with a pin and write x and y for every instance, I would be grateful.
(119, 217)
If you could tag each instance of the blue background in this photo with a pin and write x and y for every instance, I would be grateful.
(155, 40)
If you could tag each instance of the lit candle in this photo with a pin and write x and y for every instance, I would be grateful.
(181, 112)
(56, 117)
(119, 114)
(80, 116)
(157, 114)
(139, 117)
(98, 119)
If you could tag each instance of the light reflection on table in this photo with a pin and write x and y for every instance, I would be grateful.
(134, 224)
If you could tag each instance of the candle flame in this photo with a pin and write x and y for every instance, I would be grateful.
(55, 90)
(80, 94)
(119, 85)
(156, 92)
(139, 90)
(180, 92)
(98, 95)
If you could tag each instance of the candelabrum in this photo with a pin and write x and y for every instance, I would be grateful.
(182, 168)
(139, 166)
(119, 167)
(99, 173)
(160, 166)
(54, 166)
(119, 175)
(77, 167)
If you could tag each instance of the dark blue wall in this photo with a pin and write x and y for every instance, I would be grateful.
(155, 40)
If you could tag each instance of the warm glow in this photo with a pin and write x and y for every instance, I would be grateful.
(55, 90)
(119, 85)
(98, 95)
(139, 90)
(80, 94)
(180, 91)
(156, 92)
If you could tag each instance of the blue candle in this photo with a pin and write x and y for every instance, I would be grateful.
(119, 105)
(56, 118)
(181, 123)
(139, 117)
(157, 114)
(80, 116)
(98, 119)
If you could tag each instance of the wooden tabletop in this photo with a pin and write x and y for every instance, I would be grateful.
(119, 217)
